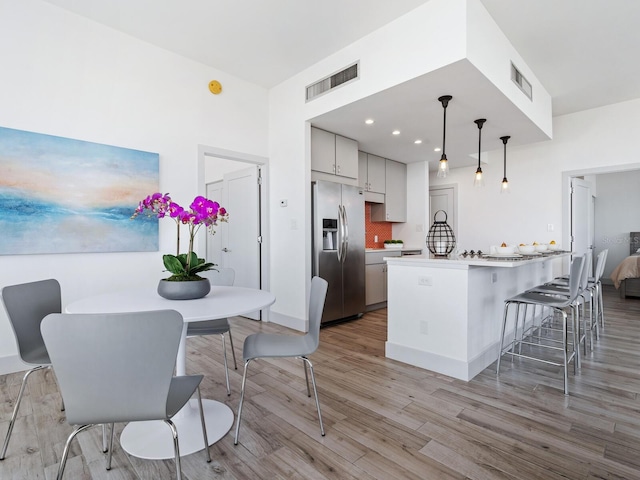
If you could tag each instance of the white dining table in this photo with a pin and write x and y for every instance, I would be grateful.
(152, 439)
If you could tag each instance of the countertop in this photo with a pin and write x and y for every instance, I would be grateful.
(465, 262)
(403, 249)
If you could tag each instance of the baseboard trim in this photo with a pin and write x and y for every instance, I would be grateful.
(302, 325)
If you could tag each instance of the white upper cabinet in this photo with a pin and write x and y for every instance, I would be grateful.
(346, 157)
(394, 208)
(371, 173)
(334, 154)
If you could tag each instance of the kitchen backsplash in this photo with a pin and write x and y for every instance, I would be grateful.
(381, 229)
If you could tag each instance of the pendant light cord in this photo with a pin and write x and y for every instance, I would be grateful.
(444, 129)
(504, 142)
(480, 123)
(444, 100)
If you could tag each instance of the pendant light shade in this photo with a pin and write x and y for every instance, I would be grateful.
(504, 187)
(478, 181)
(443, 167)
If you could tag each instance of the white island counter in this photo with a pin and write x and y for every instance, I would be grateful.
(445, 315)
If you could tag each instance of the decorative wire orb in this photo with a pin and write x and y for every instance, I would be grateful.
(440, 239)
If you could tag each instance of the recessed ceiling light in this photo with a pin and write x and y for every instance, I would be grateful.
(437, 149)
(396, 132)
(418, 142)
(369, 121)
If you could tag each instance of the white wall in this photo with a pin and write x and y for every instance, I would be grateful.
(616, 214)
(65, 75)
(590, 142)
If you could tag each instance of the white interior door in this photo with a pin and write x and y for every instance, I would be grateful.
(240, 243)
(581, 217)
(214, 242)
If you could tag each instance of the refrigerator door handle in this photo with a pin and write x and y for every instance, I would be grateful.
(339, 240)
(345, 238)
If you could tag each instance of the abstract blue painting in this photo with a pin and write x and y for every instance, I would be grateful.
(59, 195)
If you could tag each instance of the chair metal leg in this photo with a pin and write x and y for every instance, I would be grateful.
(105, 447)
(233, 351)
(598, 307)
(244, 381)
(14, 415)
(113, 429)
(565, 336)
(306, 376)
(226, 367)
(315, 391)
(204, 427)
(176, 448)
(601, 306)
(65, 452)
(504, 324)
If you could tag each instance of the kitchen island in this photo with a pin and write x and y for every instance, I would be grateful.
(445, 314)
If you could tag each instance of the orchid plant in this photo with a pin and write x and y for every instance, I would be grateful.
(202, 211)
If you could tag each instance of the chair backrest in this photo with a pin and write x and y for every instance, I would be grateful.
(600, 262)
(586, 271)
(575, 277)
(113, 367)
(317, 297)
(221, 277)
(26, 305)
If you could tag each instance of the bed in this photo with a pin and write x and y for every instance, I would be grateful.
(626, 276)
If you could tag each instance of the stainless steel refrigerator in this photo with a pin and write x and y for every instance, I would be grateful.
(338, 247)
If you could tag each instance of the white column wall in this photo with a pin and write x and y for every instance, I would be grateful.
(68, 76)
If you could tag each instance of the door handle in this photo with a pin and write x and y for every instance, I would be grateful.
(225, 249)
(340, 234)
(345, 240)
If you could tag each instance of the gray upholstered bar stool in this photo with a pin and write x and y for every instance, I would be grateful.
(570, 349)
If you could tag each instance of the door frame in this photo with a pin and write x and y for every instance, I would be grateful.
(566, 193)
(205, 151)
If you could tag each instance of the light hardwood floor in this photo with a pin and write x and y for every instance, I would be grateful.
(383, 419)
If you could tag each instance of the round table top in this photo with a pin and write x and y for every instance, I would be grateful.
(221, 302)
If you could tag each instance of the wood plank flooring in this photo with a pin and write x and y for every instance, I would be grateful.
(383, 419)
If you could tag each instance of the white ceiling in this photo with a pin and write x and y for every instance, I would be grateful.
(583, 51)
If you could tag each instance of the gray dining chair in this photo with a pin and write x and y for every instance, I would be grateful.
(26, 305)
(269, 345)
(218, 326)
(118, 367)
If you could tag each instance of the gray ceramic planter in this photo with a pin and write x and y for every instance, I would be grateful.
(184, 290)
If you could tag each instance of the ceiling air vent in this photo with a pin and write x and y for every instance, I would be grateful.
(332, 81)
(521, 82)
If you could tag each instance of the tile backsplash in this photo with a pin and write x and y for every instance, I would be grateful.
(381, 229)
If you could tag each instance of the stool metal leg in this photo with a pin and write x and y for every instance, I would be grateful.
(504, 324)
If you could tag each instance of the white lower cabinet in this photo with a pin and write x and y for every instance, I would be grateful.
(376, 283)
(376, 278)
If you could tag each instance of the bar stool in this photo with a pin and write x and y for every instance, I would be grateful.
(585, 294)
(594, 285)
(559, 305)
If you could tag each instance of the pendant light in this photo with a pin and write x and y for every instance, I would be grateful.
(443, 167)
(478, 181)
(504, 188)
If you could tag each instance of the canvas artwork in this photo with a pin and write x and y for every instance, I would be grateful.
(59, 195)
